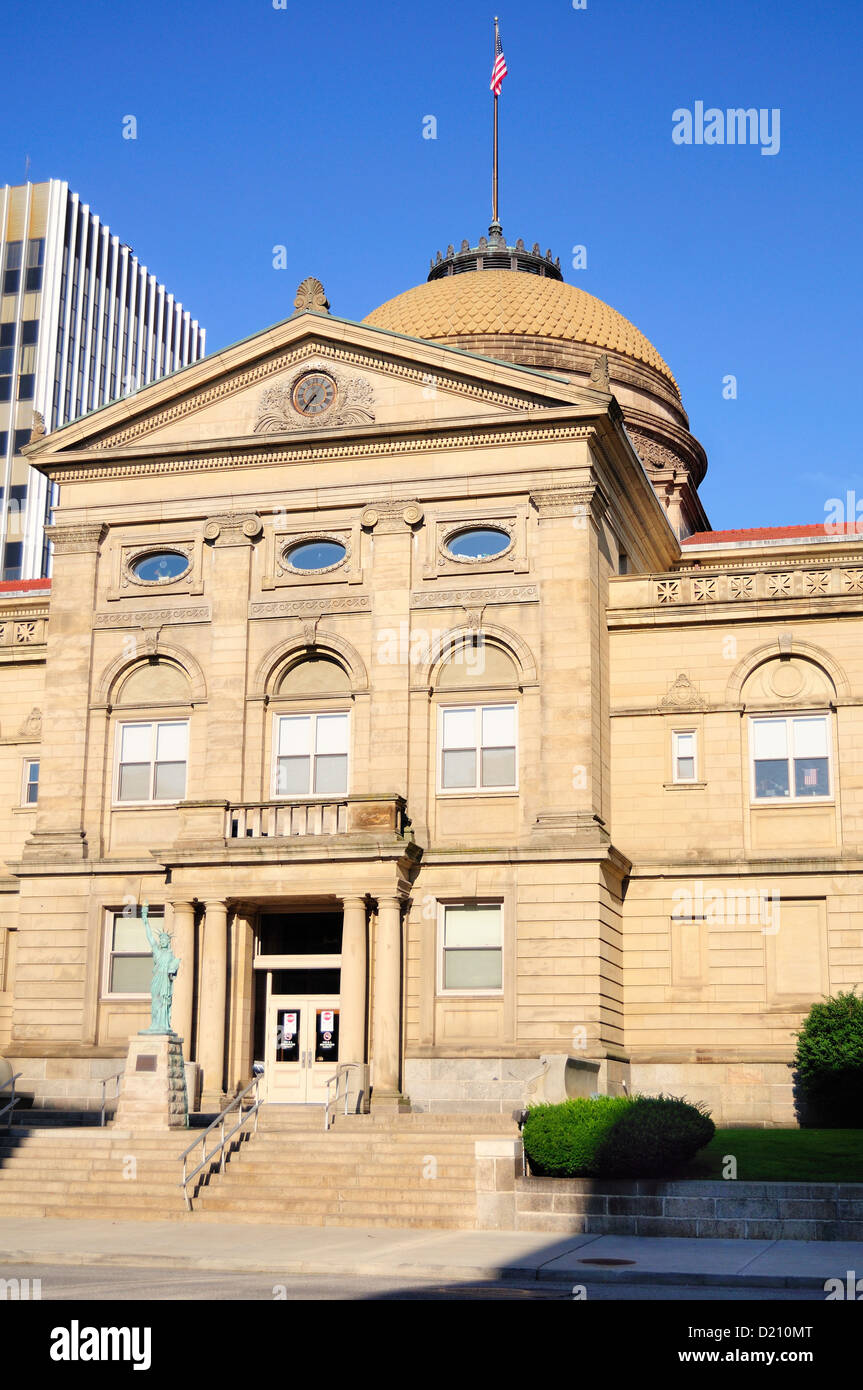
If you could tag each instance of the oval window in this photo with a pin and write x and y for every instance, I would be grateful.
(478, 544)
(315, 555)
(160, 567)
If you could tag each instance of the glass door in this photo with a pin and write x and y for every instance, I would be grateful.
(302, 1047)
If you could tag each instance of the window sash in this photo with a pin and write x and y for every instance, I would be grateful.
(312, 755)
(31, 782)
(128, 962)
(149, 765)
(791, 759)
(473, 754)
(471, 948)
(684, 747)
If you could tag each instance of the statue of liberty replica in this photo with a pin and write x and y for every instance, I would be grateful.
(153, 1091)
(165, 967)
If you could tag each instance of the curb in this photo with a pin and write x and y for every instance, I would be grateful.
(346, 1269)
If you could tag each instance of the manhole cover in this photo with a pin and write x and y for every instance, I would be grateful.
(606, 1262)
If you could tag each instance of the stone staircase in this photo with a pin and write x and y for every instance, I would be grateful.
(415, 1171)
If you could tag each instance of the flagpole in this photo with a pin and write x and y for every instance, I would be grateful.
(494, 220)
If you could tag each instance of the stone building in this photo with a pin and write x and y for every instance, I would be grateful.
(392, 663)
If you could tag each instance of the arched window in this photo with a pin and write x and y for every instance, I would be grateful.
(477, 720)
(311, 730)
(790, 731)
(152, 748)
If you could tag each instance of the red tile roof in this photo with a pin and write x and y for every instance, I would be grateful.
(775, 533)
(21, 586)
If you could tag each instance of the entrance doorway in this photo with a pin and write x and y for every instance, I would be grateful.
(298, 968)
(302, 1047)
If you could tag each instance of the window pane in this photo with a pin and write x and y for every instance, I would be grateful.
(472, 926)
(810, 738)
(129, 934)
(131, 974)
(170, 781)
(498, 767)
(292, 777)
(459, 728)
(172, 743)
(136, 743)
(811, 777)
(134, 782)
(770, 738)
(771, 778)
(331, 774)
(473, 970)
(295, 735)
(498, 726)
(332, 733)
(459, 769)
(685, 745)
(685, 769)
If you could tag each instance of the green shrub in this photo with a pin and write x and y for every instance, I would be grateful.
(614, 1136)
(563, 1141)
(829, 1064)
(656, 1136)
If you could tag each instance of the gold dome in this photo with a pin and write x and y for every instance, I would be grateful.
(517, 304)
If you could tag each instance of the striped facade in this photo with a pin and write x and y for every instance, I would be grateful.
(82, 323)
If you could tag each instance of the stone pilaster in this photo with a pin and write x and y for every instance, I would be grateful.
(214, 981)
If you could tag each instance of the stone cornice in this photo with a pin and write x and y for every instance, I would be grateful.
(343, 444)
(77, 539)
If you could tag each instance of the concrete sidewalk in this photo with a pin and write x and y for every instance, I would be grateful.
(411, 1254)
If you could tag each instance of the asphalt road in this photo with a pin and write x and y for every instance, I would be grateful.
(100, 1283)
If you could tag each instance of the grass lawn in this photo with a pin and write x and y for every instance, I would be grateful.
(783, 1155)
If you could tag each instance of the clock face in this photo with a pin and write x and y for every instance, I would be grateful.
(314, 393)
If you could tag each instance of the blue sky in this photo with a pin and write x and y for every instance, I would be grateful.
(302, 126)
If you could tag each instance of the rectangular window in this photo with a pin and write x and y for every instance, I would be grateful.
(129, 964)
(152, 761)
(30, 794)
(478, 748)
(311, 755)
(790, 758)
(683, 755)
(471, 954)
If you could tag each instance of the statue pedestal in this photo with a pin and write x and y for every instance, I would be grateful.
(153, 1090)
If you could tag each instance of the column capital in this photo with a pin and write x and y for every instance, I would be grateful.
(354, 900)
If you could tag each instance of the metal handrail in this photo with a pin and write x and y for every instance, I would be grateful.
(225, 1138)
(341, 1070)
(7, 1109)
(115, 1076)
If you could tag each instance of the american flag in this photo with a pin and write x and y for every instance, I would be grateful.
(498, 72)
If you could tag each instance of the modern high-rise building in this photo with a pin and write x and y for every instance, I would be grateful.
(82, 322)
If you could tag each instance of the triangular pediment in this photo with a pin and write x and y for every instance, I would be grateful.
(361, 377)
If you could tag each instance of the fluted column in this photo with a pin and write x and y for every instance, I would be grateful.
(387, 1001)
(352, 1032)
(184, 986)
(214, 982)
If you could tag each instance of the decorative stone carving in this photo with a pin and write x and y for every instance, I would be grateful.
(310, 297)
(391, 514)
(668, 591)
(742, 586)
(296, 608)
(470, 598)
(32, 726)
(569, 500)
(599, 378)
(38, 430)
(144, 617)
(852, 581)
(25, 633)
(352, 406)
(703, 589)
(682, 695)
(234, 528)
(76, 540)
(133, 554)
(779, 585)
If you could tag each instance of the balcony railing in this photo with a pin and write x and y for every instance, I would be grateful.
(232, 823)
(275, 819)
